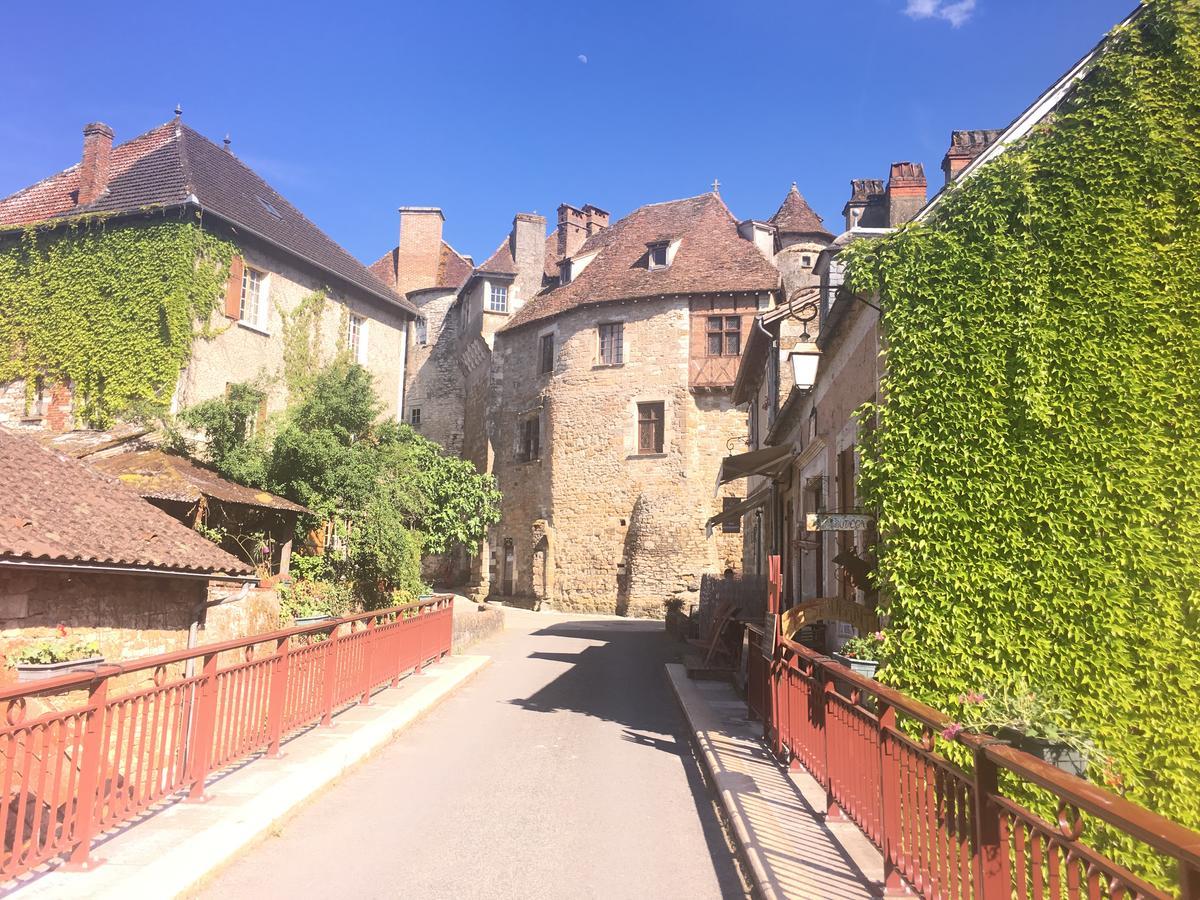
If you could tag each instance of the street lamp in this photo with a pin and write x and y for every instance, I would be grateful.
(805, 358)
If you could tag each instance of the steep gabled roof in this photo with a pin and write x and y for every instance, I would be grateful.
(711, 258)
(453, 268)
(501, 262)
(795, 216)
(56, 510)
(173, 165)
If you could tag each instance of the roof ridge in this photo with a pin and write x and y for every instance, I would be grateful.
(184, 165)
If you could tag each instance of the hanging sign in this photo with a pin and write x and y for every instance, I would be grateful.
(837, 522)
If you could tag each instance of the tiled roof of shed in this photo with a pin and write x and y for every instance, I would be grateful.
(173, 163)
(711, 258)
(54, 509)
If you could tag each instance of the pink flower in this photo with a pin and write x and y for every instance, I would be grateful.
(975, 697)
(879, 635)
(62, 629)
(951, 731)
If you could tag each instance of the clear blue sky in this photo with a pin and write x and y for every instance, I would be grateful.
(354, 108)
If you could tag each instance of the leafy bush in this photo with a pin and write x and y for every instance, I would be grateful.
(55, 650)
(1036, 464)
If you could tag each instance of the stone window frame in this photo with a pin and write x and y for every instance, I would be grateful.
(546, 342)
(620, 355)
(529, 437)
(255, 298)
(497, 290)
(414, 416)
(645, 417)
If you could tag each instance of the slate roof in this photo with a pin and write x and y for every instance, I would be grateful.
(58, 510)
(172, 165)
(166, 476)
(453, 268)
(795, 216)
(711, 258)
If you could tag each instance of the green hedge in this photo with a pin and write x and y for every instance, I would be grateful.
(1036, 459)
(111, 307)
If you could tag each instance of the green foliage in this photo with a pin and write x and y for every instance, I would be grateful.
(1036, 465)
(1019, 707)
(314, 591)
(54, 650)
(110, 308)
(392, 493)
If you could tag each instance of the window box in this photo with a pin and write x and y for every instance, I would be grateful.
(27, 672)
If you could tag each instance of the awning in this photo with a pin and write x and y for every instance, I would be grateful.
(735, 512)
(769, 461)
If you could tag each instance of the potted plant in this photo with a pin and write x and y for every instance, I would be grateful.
(1029, 720)
(863, 654)
(55, 656)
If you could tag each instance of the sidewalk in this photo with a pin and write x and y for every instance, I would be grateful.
(171, 850)
(777, 817)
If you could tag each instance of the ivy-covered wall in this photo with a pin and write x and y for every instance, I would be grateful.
(113, 307)
(1036, 466)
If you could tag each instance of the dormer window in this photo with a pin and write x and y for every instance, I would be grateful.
(657, 256)
(564, 272)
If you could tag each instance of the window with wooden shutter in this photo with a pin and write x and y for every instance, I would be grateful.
(233, 289)
(650, 428)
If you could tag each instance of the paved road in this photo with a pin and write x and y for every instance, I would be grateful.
(561, 771)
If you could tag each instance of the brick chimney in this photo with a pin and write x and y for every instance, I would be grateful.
(596, 218)
(865, 206)
(964, 147)
(93, 168)
(420, 248)
(906, 189)
(572, 229)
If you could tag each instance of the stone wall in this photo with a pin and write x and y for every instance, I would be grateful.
(473, 623)
(594, 524)
(435, 379)
(232, 615)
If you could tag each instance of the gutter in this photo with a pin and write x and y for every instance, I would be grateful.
(35, 565)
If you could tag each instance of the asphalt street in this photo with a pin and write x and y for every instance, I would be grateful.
(562, 770)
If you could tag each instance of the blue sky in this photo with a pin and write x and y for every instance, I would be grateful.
(489, 109)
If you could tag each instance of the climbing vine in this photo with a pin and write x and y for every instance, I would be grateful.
(1036, 465)
(113, 308)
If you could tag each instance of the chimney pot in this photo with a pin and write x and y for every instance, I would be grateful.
(906, 190)
(93, 167)
(572, 229)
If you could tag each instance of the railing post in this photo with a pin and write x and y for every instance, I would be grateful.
(833, 812)
(87, 809)
(203, 728)
(368, 659)
(419, 628)
(990, 840)
(278, 697)
(330, 673)
(889, 803)
(1189, 881)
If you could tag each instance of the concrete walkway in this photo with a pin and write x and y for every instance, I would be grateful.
(777, 816)
(562, 770)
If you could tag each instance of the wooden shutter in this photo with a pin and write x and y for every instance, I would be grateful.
(233, 289)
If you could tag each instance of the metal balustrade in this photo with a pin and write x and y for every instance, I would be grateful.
(945, 832)
(115, 741)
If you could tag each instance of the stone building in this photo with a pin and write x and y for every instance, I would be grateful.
(81, 550)
(172, 173)
(597, 366)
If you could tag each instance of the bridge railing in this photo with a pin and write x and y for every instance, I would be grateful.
(945, 831)
(84, 752)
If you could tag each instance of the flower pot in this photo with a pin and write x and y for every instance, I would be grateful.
(864, 667)
(1061, 756)
(42, 671)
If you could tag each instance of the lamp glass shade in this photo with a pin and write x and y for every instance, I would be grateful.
(804, 368)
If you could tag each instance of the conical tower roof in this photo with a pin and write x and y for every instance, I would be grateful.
(795, 216)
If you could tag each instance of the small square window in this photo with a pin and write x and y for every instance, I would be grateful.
(612, 344)
(253, 306)
(498, 298)
(356, 338)
(806, 261)
(650, 427)
(421, 331)
(547, 354)
(657, 258)
(414, 417)
(531, 439)
(731, 526)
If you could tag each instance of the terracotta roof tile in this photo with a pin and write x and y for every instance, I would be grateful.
(170, 163)
(453, 268)
(795, 216)
(712, 257)
(56, 509)
(501, 262)
(165, 476)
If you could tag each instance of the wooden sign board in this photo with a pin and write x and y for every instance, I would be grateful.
(837, 522)
(770, 635)
(830, 609)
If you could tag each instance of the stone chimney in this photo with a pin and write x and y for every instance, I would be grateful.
(596, 218)
(906, 189)
(964, 147)
(572, 229)
(420, 248)
(528, 246)
(865, 207)
(93, 168)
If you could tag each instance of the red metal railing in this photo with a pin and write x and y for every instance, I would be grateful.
(945, 832)
(97, 758)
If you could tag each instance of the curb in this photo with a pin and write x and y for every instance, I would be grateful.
(747, 851)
